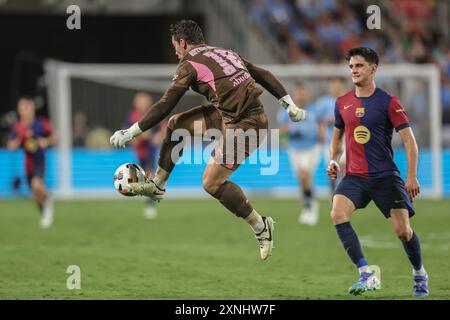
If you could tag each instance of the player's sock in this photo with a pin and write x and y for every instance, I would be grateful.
(256, 222)
(231, 196)
(351, 244)
(307, 198)
(167, 160)
(159, 181)
(412, 249)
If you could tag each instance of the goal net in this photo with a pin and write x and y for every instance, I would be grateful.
(102, 94)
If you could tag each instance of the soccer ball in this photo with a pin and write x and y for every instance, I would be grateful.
(125, 174)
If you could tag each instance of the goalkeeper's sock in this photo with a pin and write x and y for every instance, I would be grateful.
(168, 158)
(160, 183)
(233, 198)
(256, 222)
(351, 243)
(412, 249)
(160, 178)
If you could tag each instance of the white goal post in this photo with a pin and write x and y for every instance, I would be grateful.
(60, 74)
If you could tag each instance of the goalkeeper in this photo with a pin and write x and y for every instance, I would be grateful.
(229, 83)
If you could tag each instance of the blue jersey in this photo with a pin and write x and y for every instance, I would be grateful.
(303, 134)
(325, 109)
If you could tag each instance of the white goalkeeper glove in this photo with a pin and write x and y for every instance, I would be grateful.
(121, 137)
(295, 113)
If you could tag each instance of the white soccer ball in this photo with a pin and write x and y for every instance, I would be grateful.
(125, 174)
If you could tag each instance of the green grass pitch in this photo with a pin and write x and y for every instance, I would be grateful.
(195, 249)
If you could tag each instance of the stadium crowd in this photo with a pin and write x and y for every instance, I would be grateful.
(321, 31)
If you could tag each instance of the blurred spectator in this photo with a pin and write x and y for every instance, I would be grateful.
(304, 141)
(321, 31)
(80, 129)
(98, 138)
(146, 146)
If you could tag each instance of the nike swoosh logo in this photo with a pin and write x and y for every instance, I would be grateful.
(347, 106)
(398, 201)
(399, 110)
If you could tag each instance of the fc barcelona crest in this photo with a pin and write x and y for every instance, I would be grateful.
(360, 112)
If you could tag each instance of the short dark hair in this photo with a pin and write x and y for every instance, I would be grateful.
(188, 30)
(368, 54)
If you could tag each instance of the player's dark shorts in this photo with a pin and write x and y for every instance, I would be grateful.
(387, 193)
(38, 171)
(248, 132)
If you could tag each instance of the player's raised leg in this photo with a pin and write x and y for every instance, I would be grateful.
(411, 244)
(341, 212)
(216, 183)
(193, 121)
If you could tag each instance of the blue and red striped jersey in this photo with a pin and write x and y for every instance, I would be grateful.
(368, 123)
(28, 136)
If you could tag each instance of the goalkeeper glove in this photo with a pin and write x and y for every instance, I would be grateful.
(295, 113)
(121, 137)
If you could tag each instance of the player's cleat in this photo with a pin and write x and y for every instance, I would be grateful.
(147, 189)
(420, 288)
(367, 282)
(47, 213)
(265, 238)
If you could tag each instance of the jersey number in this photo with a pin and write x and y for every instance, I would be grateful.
(226, 59)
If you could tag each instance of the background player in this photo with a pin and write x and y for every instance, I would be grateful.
(367, 116)
(304, 146)
(228, 82)
(325, 108)
(34, 135)
(146, 146)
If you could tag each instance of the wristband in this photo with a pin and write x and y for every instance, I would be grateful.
(135, 130)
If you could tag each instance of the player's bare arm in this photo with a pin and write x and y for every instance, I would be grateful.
(336, 150)
(412, 156)
(269, 82)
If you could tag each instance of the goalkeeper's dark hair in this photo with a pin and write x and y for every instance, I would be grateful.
(368, 54)
(188, 30)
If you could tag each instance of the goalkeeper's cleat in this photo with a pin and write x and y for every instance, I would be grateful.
(265, 238)
(147, 189)
(420, 288)
(366, 282)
